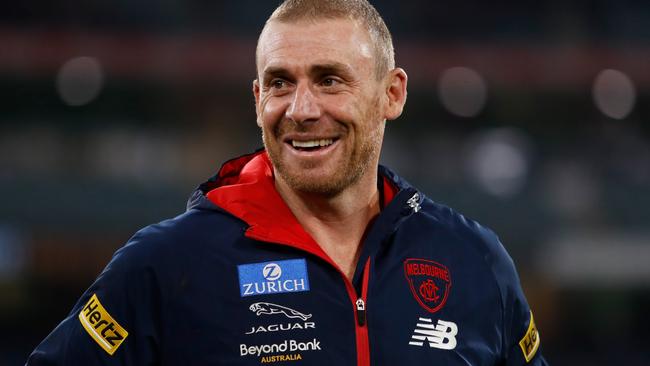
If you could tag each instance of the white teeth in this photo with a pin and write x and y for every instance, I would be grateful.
(312, 143)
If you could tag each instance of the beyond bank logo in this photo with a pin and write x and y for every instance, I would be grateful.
(273, 277)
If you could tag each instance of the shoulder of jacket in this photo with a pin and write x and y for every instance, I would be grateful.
(476, 237)
(180, 237)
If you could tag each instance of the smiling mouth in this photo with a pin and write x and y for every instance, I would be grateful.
(311, 145)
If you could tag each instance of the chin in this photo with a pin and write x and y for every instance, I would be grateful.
(319, 184)
(326, 184)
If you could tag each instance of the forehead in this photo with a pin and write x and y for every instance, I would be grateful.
(305, 43)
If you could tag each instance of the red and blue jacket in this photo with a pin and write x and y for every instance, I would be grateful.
(235, 280)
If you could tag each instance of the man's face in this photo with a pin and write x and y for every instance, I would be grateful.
(319, 103)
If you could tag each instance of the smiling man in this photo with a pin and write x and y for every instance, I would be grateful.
(308, 251)
(323, 96)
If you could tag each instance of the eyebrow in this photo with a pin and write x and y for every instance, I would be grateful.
(335, 68)
(326, 68)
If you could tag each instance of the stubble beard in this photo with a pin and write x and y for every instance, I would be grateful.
(361, 159)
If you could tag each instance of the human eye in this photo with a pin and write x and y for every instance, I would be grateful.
(329, 82)
(278, 84)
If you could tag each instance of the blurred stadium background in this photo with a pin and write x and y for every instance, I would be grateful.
(531, 116)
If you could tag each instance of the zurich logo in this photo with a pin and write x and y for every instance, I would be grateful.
(272, 271)
(273, 277)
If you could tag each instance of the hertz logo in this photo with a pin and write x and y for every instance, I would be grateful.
(530, 343)
(101, 326)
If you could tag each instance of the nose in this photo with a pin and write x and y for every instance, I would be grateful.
(304, 106)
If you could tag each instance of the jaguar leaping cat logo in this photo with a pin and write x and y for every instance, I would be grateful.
(267, 308)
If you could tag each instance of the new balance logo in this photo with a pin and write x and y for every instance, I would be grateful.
(441, 335)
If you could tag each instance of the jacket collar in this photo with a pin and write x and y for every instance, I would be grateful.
(244, 187)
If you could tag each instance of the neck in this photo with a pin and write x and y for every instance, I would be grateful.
(337, 223)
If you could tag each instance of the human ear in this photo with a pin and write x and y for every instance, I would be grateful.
(256, 93)
(395, 93)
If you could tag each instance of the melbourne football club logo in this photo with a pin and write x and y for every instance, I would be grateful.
(429, 282)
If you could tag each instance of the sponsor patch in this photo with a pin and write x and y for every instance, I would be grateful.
(530, 343)
(273, 277)
(268, 308)
(101, 326)
(290, 345)
(273, 310)
(281, 358)
(281, 327)
(429, 282)
(441, 335)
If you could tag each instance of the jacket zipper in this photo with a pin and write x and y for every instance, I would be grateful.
(361, 312)
(359, 303)
(360, 315)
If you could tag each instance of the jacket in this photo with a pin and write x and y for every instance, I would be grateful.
(235, 280)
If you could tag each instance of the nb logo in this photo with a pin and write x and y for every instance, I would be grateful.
(272, 272)
(441, 335)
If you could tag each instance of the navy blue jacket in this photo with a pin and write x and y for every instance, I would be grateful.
(236, 280)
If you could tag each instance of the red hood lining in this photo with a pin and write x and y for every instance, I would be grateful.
(246, 189)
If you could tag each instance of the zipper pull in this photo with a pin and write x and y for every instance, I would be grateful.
(361, 312)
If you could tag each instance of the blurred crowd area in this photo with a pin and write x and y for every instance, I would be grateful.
(532, 117)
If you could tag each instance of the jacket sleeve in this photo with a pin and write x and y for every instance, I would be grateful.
(115, 322)
(521, 340)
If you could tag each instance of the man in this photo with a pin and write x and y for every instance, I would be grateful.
(308, 251)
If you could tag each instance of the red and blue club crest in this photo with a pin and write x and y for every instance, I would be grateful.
(429, 282)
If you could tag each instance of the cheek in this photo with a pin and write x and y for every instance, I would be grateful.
(343, 108)
(271, 113)
(360, 112)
